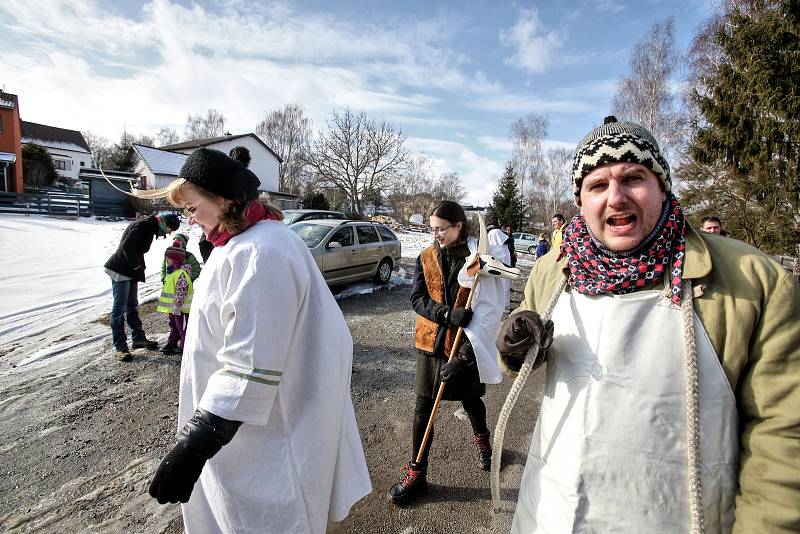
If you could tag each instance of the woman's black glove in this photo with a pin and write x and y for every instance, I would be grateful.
(464, 359)
(199, 439)
(460, 316)
(521, 331)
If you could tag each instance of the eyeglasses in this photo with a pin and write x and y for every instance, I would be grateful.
(435, 231)
(188, 211)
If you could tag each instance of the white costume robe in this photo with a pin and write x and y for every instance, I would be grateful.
(267, 345)
(487, 308)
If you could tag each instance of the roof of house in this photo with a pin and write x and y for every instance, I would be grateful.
(52, 137)
(93, 174)
(160, 161)
(197, 143)
(7, 100)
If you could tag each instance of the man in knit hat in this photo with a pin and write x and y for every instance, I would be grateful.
(673, 363)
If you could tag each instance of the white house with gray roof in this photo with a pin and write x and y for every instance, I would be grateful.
(264, 161)
(157, 167)
(160, 166)
(68, 148)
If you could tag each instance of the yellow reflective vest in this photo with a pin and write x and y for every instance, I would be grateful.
(167, 298)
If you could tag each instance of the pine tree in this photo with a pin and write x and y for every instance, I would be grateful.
(506, 207)
(746, 148)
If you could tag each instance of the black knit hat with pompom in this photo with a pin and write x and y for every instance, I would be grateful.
(216, 172)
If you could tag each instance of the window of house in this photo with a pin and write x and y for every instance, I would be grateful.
(60, 164)
(1, 124)
(83, 164)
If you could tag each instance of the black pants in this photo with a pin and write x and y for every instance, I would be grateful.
(476, 411)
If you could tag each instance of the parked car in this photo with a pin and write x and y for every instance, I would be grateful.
(346, 251)
(293, 216)
(525, 242)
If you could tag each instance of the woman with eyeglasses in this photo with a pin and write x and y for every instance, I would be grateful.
(268, 436)
(439, 301)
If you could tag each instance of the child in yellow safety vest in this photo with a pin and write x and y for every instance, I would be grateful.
(176, 296)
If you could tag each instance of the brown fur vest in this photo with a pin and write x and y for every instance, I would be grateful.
(426, 330)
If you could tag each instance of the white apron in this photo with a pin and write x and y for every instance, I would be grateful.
(609, 450)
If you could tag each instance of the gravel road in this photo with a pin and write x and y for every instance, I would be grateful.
(83, 433)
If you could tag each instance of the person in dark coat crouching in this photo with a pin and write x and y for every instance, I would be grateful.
(440, 302)
(126, 269)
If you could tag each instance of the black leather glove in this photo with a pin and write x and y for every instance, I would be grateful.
(463, 360)
(521, 331)
(453, 369)
(200, 438)
(460, 316)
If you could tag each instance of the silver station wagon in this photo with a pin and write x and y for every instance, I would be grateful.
(346, 251)
(524, 242)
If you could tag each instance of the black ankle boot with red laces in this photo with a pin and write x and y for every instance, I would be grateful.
(412, 484)
(484, 450)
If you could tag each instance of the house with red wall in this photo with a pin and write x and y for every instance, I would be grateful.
(10, 145)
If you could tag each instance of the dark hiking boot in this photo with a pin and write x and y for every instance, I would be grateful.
(484, 450)
(169, 349)
(413, 483)
(122, 355)
(145, 344)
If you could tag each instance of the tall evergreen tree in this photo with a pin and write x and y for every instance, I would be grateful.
(507, 206)
(746, 147)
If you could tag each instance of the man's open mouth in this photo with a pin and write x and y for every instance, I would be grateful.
(621, 220)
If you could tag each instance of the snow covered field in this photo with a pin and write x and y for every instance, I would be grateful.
(53, 281)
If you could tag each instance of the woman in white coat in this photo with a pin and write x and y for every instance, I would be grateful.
(268, 440)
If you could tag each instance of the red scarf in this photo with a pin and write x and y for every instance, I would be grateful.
(595, 270)
(254, 211)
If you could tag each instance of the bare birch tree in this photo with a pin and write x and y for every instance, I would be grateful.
(646, 95)
(416, 180)
(167, 136)
(553, 189)
(357, 155)
(199, 127)
(527, 134)
(101, 148)
(287, 131)
(448, 187)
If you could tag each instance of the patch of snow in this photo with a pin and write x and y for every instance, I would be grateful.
(53, 279)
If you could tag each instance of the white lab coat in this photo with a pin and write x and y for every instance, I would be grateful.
(266, 344)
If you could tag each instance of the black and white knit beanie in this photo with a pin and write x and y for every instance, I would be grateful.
(618, 142)
(216, 172)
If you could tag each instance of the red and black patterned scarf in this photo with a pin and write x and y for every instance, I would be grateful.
(595, 270)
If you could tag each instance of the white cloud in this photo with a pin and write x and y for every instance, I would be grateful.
(243, 60)
(479, 174)
(534, 46)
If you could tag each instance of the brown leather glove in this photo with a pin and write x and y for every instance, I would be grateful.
(521, 331)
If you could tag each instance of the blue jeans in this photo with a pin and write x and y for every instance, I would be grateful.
(126, 304)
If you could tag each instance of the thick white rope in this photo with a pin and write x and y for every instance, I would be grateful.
(511, 399)
(692, 412)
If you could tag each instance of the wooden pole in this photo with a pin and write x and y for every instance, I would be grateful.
(442, 384)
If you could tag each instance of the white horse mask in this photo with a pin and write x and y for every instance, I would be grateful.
(486, 265)
(482, 264)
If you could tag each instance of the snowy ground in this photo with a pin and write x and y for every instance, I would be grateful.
(53, 280)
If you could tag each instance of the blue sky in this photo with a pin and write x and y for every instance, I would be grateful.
(452, 75)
